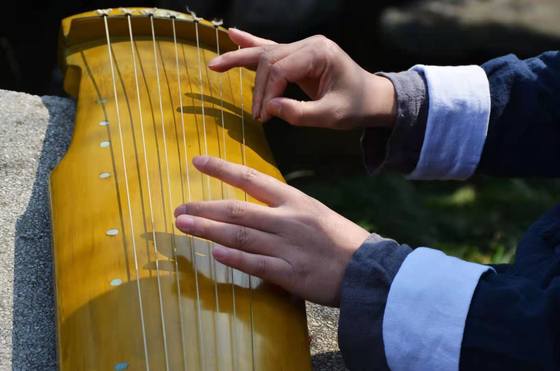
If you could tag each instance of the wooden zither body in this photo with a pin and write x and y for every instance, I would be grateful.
(132, 292)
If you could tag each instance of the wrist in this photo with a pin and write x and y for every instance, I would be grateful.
(380, 102)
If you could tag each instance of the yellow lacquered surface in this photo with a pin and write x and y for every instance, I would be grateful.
(132, 291)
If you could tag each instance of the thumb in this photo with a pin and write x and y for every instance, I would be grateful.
(301, 113)
(247, 40)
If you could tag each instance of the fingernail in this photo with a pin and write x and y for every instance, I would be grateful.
(200, 161)
(219, 252)
(274, 107)
(235, 29)
(214, 62)
(256, 105)
(185, 222)
(179, 210)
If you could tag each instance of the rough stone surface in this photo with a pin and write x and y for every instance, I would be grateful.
(459, 28)
(323, 325)
(34, 135)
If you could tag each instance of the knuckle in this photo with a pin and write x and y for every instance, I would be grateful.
(266, 56)
(236, 210)
(319, 38)
(242, 238)
(218, 166)
(315, 60)
(260, 267)
(248, 176)
(339, 114)
(325, 47)
(323, 42)
(276, 72)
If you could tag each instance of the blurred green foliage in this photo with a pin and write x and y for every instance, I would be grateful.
(481, 220)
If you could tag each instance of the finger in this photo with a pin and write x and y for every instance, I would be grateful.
(248, 58)
(246, 40)
(261, 186)
(294, 67)
(233, 212)
(267, 59)
(302, 113)
(234, 236)
(270, 269)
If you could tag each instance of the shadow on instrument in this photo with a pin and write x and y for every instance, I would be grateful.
(232, 115)
(212, 330)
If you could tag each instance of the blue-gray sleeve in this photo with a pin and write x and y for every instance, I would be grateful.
(524, 131)
(364, 292)
(398, 149)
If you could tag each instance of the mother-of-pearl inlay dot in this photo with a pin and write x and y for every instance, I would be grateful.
(112, 232)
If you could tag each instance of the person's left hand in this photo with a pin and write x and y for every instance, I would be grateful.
(295, 242)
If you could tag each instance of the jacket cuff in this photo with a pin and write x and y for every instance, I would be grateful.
(457, 124)
(399, 149)
(363, 296)
(426, 311)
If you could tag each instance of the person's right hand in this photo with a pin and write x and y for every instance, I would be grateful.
(343, 95)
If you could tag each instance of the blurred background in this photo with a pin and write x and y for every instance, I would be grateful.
(480, 220)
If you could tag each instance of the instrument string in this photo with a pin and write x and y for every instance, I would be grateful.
(244, 160)
(211, 260)
(201, 353)
(180, 92)
(229, 270)
(149, 189)
(127, 188)
(165, 151)
(221, 95)
(178, 185)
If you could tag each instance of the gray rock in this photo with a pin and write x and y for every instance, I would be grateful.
(459, 28)
(34, 135)
(323, 324)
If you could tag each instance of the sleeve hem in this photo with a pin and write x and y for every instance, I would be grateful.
(426, 311)
(398, 149)
(363, 296)
(458, 118)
